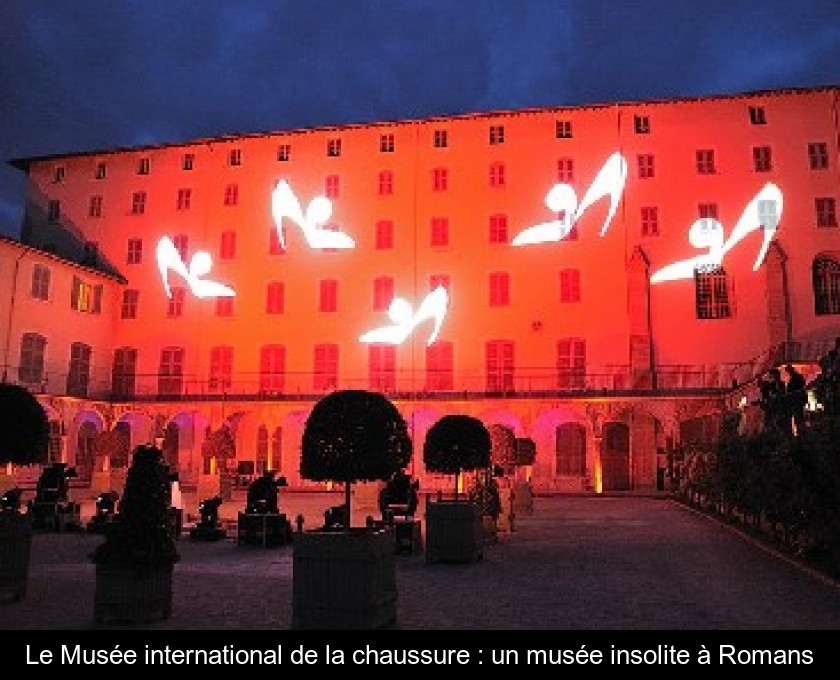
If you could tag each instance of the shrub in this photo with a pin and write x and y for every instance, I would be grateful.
(352, 436)
(455, 444)
(141, 535)
(24, 426)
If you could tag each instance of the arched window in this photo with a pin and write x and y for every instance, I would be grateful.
(570, 452)
(826, 273)
(262, 449)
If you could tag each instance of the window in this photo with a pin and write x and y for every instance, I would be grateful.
(498, 229)
(441, 139)
(641, 124)
(569, 285)
(78, 373)
(383, 293)
(497, 174)
(384, 235)
(328, 295)
(95, 206)
(275, 298)
(761, 159)
(138, 203)
(571, 363)
(171, 371)
(439, 235)
(32, 349)
(275, 245)
(499, 366)
(85, 297)
(825, 209)
(439, 367)
(712, 293)
(235, 157)
(826, 276)
(187, 161)
(332, 186)
(768, 214)
(135, 251)
(224, 306)
(565, 170)
(277, 449)
(440, 179)
(707, 211)
(221, 369)
(497, 134)
(570, 452)
(818, 155)
(53, 211)
(705, 161)
(284, 152)
(40, 282)
(499, 289)
(175, 304)
(650, 220)
(90, 256)
(325, 375)
(386, 143)
(184, 199)
(124, 372)
(58, 174)
(182, 243)
(272, 369)
(333, 147)
(757, 116)
(144, 166)
(438, 280)
(128, 309)
(382, 368)
(386, 183)
(645, 165)
(231, 195)
(101, 171)
(563, 129)
(227, 245)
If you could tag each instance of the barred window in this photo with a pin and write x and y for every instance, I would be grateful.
(712, 293)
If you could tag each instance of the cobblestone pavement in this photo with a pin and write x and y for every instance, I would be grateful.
(575, 563)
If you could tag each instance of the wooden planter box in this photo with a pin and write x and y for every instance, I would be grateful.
(344, 580)
(266, 530)
(454, 531)
(15, 547)
(129, 595)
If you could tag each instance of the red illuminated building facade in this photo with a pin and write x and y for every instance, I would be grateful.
(595, 278)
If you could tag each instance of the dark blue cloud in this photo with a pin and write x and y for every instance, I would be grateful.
(91, 75)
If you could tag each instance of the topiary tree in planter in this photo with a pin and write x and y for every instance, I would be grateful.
(345, 577)
(24, 441)
(134, 565)
(455, 444)
(353, 436)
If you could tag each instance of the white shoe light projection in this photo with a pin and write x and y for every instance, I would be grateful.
(561, 198)
(201, 263)
(284, 203)
(762, 213)
(400, 312)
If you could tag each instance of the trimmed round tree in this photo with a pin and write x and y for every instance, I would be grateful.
(354, 436)
(526, 451)
(455, 444)
(24, 426)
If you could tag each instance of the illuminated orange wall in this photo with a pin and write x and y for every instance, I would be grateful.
(530, 153)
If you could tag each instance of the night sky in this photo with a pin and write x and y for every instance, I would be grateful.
(99, 74)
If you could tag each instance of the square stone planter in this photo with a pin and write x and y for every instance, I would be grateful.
(125, 594)
(454, 531)
(15, 548)
(344, 580)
